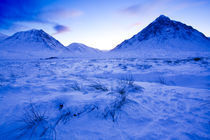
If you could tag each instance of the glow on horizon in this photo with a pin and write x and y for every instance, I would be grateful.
(100, 24)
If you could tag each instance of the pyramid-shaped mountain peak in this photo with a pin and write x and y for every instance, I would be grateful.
(163, 18)
(32, 40)
(165, 33)
(31, 34)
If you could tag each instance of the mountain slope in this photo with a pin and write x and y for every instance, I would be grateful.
(32, 43)
(80, 49)
(3, 36)
(165, 37)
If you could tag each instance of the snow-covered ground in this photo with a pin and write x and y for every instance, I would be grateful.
(105, 99)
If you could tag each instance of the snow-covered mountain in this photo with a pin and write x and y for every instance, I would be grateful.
(3, 36)
(80, 49)
(165, 37)
(29, 44)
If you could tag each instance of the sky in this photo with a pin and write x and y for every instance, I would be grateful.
(101, 24)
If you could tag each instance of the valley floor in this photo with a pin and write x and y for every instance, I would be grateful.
(105, 99)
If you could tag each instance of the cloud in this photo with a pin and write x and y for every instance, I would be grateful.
(146, 8)
(60, 13)
(69, 13)
(60, 29)
(13, 12)
(132, 10)
(188, 4)
(137, 8)
(136, 24)
(155, 6)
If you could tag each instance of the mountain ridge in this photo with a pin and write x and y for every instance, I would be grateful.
(31, 43)
(3, 36)
(35, 35)
(80, 49)
(164, 33)
(163, 37)
(37, 43)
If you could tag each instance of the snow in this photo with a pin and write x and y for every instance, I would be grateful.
(164, 102)
(31, 44)
(81, 50)
(165, 38)
(3, 36)
(155, 85)
(38, 44)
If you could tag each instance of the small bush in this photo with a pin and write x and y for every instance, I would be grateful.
(75, 86)
(128, 80)
(35, 124)
(113, 110)
(162, 80)
(65, 116)
(127, 84)
(69, 113)
(99, 86)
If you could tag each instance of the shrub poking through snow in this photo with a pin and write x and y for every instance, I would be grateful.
(70, 113)
(65, 116)
(35, 124)
(75, 86)
(162, 80)
(113, 110)
(99, 86)
(129, 80)
(127, 84)
(124, 87)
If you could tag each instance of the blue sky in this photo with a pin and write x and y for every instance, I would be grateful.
(100, 24)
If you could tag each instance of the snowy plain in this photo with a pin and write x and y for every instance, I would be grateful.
(112, 98)
(146, 88)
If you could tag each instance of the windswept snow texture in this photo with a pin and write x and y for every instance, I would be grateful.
(82, 50)
(30, 44)
(165, 38)
(92, 99)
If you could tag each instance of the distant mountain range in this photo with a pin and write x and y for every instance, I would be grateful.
(80, 49)
(38, 44)
(30, 44)
(162, 38)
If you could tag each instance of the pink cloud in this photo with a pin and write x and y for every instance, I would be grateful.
(134, 25)
(131, 10)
